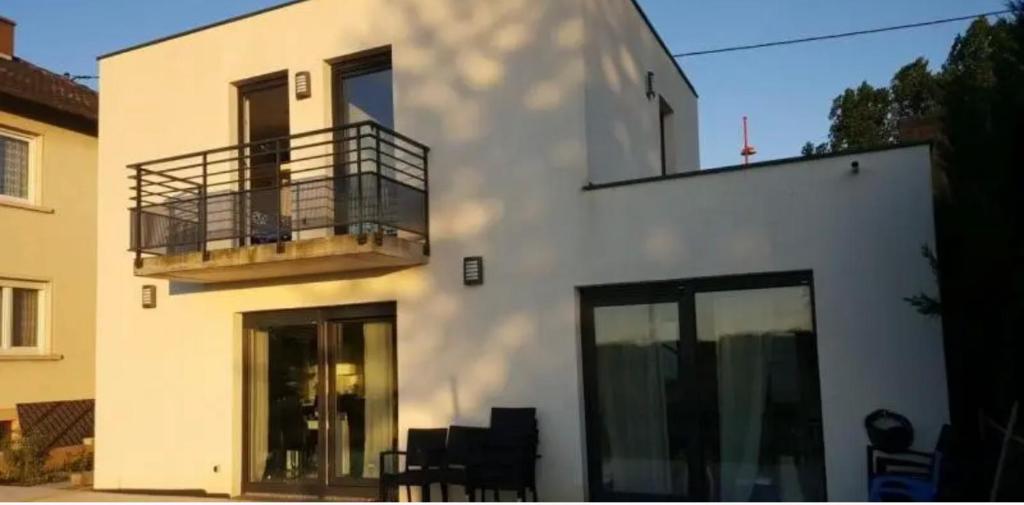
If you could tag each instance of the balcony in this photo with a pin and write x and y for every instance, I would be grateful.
(335, 200)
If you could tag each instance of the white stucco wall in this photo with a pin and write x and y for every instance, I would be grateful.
(496, 89)
(622, 122)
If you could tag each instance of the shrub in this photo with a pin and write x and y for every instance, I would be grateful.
(24, 459)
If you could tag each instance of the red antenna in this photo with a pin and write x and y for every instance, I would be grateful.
(748, 150)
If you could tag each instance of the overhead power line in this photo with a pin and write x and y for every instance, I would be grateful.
(839, 35)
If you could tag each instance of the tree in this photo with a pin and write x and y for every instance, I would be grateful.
(809, 149)
(915, 91)
(979, 96)
(981, 235)
(866, 117)
(861, 119)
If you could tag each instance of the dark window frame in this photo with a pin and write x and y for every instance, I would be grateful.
(665, 114)
(681, 291)
(325, 485)
(351, 65)
(242, 88)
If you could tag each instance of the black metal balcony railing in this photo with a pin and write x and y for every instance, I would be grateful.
(362, 179)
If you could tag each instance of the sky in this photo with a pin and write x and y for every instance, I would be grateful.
(785, 91)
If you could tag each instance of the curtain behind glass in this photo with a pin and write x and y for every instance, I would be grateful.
(768, 406)
(741, 398)
(259, 394)
(637, 365)
(13, 167)
(380, 400)
(25, 317)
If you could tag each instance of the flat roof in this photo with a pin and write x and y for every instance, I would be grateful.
(636, 5)
(749, 166)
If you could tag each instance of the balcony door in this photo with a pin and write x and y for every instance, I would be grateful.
(362, 91)
(703, 389)
(264, 130)
(320, 400)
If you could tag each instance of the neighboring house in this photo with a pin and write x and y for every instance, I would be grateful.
(47, 235)
(368, 216)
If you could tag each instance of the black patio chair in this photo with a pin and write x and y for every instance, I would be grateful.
(463, 456)
(424, 464)
(510, 453)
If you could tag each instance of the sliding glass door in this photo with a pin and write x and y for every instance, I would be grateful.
(362, 399)
(320, 399)
(703, 389)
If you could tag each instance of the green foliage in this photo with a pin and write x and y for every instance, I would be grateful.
(867, 117)
(809, 149)
(24, 460)
(916, 92)
(978, 97)
(861, 119)
(81, 463)
(924, 303)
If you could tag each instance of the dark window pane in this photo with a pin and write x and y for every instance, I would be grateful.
(368, 97)
(283, 385)
(642, 447)
(759, 380)
(25, 317)
(13, 167)
(365, 404)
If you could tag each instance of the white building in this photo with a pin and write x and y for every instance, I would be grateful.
(715, 334)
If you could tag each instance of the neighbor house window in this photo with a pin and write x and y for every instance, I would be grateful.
(17, 177)
(666, 133)
(22, 317)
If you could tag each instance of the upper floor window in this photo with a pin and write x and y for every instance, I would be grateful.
(17, 167)
(22, 317)
(666, 132)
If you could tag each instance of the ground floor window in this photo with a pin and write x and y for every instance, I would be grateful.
(22, 317)
(703, 389)
(320, 399)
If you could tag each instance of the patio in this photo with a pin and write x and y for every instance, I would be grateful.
(64, 493)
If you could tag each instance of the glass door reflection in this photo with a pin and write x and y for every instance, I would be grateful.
(363, 400)
(638, 394)
(760, 396)
(319, 399)
(284, 382)
(703, 389)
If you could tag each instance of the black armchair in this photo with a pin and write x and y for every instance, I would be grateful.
(424, 464)
(464, 455)
(510, 453)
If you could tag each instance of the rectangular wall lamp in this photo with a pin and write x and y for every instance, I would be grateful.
(473, 270)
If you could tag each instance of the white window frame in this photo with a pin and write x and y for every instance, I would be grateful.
(35, 157)
(7, 317)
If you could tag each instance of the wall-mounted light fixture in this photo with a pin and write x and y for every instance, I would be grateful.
(148, 296)
(650, 85)
(302, 88)
(473, 270)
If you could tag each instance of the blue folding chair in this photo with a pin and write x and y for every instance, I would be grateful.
(906, 475)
